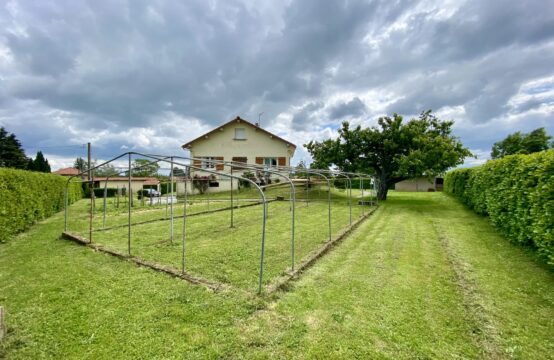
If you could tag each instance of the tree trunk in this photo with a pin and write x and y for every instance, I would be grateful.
(382, 187)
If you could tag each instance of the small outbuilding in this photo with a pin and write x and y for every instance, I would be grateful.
(420, 184)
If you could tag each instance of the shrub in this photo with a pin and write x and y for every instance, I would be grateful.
(244, 183)
(516, 192)
(26, 197)
(201, 183)
(110, 192)
(165, 188)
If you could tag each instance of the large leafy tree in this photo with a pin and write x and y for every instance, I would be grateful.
(394, 150)
(145, 167)
(106, 170)
(177, 171)
(40, 163)
(11, 153)
(519, 143)
(80, 164)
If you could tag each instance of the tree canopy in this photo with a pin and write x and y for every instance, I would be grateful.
(80, 164)
(106, 170)
(11, 153)
(519, 143)
(145, 167)
(177, 171)
(40, 163)
(394, 150)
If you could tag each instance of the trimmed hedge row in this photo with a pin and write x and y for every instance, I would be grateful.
(26, 197)
(516, 192)
(99, 192)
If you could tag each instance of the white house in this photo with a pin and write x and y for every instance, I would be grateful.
(238, 141)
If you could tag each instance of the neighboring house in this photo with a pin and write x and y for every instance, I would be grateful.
(238, 141)
(70, 171)
(120, 182)
(420, 184)
(116, 182)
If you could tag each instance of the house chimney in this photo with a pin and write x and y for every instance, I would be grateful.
(257, 124)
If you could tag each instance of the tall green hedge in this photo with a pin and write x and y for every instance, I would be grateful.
(26, 197)
(516, 192)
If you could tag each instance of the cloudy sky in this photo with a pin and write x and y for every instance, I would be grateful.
(151, 75)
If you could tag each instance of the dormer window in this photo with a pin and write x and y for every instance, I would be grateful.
(240, 134)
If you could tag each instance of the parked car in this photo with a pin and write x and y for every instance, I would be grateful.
(151, 193)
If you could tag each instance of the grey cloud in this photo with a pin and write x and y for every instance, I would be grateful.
(352, 108)
(531, 104)
(304, 117)
(114, 65)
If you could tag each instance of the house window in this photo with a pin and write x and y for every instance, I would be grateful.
(206, 162)
(270, 162)
(237, 160)
(240, 134)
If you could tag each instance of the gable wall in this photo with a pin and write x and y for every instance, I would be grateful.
(257, 144)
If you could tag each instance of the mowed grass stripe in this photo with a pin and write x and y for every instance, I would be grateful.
(512, 288)
(391, 291)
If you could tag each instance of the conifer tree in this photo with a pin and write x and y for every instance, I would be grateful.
(40, 163)
(11, 153)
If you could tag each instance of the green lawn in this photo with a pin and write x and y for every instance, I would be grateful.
(214, 250)
(422, 278)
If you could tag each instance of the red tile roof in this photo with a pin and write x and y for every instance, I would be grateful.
(238, 120)
(125, 178)
(151, 181)
(70, 171)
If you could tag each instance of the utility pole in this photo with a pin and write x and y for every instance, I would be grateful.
(89, 159)
(90, 183)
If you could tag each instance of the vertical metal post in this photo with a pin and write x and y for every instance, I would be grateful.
(171, 196)
(263, 244)
(129, 210)
(105, 199)
(208, 192)
(362, 188)
(293, 194)
(91, 190)
(329, 205)
(66, 201)
(184, 227)
(375, 191)
(232, 202)
(350, 197)
(308, 190)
